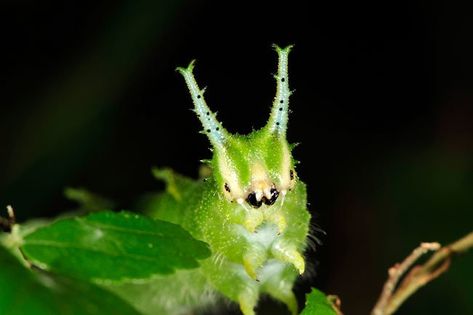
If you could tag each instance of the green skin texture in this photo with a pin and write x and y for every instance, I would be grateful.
(254, 250)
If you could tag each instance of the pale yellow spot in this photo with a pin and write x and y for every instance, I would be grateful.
(258, 173)
(227, 170)
(285, 177)
(260, 181)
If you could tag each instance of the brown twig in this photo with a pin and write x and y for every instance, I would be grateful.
(7, 223)
(336, 303)
(392, 298)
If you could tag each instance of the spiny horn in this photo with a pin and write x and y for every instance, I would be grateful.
(277, 122)
(212, 128)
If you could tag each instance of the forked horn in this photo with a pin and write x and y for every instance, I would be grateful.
(277, 123)
(212, 127)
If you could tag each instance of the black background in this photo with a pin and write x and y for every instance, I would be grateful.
(382, 109)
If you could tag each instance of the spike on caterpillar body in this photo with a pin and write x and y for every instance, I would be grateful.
(251, 211)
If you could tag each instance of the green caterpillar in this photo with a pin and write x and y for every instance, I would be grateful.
(251, 210)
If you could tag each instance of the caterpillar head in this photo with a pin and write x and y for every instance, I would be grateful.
(257, 168)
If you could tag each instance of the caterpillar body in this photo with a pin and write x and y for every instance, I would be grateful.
(251, 211)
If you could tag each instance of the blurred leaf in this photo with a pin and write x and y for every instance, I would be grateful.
(25, 292)
(87, 200)
(169, 205)
(317, 303)
(113, 246)
(165, 294)
(176, 184)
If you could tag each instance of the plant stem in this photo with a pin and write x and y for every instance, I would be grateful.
(392, 298)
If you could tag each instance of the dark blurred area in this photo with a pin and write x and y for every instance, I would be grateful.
(383, 110)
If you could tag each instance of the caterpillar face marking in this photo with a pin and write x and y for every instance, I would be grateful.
(257, 198)
(252, 210)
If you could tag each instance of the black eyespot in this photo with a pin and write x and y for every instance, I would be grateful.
(274, 196)
(252, 201)
(227, 188)
(291, 174)
(282, 79)
(198, 96)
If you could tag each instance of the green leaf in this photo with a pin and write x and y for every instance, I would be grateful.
(25, 292)
(113, 246)
(317, 303)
